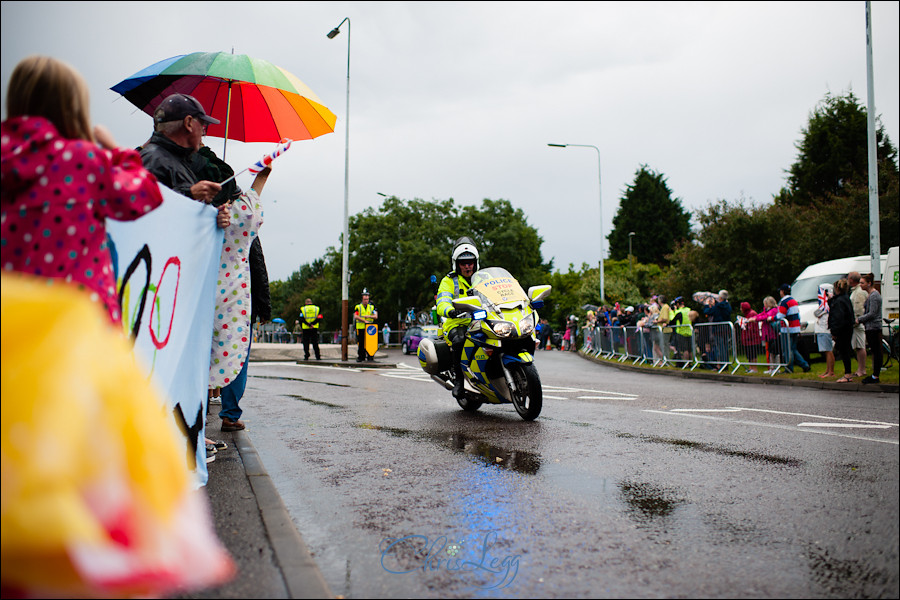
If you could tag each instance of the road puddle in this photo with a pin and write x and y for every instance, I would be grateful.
(488, 454)
(720, 450)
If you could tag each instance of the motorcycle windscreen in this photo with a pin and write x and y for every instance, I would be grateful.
(498, 286)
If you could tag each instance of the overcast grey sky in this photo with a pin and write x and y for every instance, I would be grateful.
(459, 99)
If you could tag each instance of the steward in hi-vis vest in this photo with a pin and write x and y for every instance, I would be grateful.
(309, 322)
(365, 315)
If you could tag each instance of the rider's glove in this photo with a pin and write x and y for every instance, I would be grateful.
(453, 314)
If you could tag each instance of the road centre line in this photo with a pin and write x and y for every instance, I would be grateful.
(771, 425)
(551, 388)
(706, 410)
(779, 412)
(607, 398)
(845, 425)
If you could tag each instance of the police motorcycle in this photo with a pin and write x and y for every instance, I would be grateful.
(498, 352)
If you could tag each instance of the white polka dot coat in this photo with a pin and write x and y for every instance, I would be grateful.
(231, 333)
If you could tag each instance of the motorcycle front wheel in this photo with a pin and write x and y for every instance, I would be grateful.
(527, 396)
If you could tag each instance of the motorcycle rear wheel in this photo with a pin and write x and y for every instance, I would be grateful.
(527, 397)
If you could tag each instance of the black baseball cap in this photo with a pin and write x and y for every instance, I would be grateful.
(178, 106)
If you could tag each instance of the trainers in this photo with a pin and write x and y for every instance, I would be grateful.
(216, 400)
(219, 445)
(210, 453)
(870, 379)
(229, 425)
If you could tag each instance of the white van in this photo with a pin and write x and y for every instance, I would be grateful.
(890, 287)
(805, 291)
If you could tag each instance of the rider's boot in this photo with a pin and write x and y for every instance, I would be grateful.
(458, 387)
(456, 337)
(458, 391)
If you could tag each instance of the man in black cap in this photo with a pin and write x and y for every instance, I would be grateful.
(179, 124)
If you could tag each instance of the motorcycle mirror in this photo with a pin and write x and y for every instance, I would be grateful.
(539, 292)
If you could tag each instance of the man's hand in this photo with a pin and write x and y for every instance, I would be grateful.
(223, 218)
(205, 191)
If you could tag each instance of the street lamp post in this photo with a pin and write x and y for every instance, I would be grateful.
(345, 270)
(600, 193)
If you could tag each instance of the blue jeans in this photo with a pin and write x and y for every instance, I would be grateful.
(793, 354)
(233, 392)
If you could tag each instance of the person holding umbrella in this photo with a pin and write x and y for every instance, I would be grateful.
(179, 124)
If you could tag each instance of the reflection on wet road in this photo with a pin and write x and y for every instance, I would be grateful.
(625, 486)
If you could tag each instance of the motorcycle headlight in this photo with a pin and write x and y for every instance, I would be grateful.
(526, 325)
(502, 328)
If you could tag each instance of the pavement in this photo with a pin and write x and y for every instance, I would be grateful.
(251, 519)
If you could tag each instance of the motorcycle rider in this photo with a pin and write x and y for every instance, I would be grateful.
(456, 284)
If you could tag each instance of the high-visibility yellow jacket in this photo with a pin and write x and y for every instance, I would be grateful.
(309, 316)
(364, 311)
(685, 321)
(452, 286)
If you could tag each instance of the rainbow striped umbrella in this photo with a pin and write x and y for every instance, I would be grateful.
(255, 100)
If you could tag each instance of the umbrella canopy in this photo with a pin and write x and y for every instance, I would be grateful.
(255, 100)
(278, 320)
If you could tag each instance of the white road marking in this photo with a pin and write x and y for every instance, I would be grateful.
(555, 398)
(607, 397)
(772, 426)
(705, 410)
(846, 425)
(793, 414)
(551, 388)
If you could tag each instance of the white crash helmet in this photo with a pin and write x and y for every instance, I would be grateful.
(464, 248)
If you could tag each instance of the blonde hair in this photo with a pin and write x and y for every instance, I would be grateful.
(841, 286)
(769, 302)
(42, 86)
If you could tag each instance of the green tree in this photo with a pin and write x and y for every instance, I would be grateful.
(740, 248)
(658, 221)
(833, 153)
(822, 214)
(396, 248)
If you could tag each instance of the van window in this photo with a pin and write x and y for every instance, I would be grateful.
(807, 290)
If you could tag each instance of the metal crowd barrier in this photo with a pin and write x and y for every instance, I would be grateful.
(714, 346)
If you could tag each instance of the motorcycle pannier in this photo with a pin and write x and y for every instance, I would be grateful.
(434, 356)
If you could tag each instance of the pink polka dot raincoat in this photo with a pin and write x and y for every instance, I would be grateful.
(56, 196)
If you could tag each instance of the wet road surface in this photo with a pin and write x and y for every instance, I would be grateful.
(627, 485)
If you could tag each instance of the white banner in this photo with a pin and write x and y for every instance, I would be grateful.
(167, 266)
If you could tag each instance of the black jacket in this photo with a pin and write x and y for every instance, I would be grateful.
(840, 315)
(260, 301)
(170, 163)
